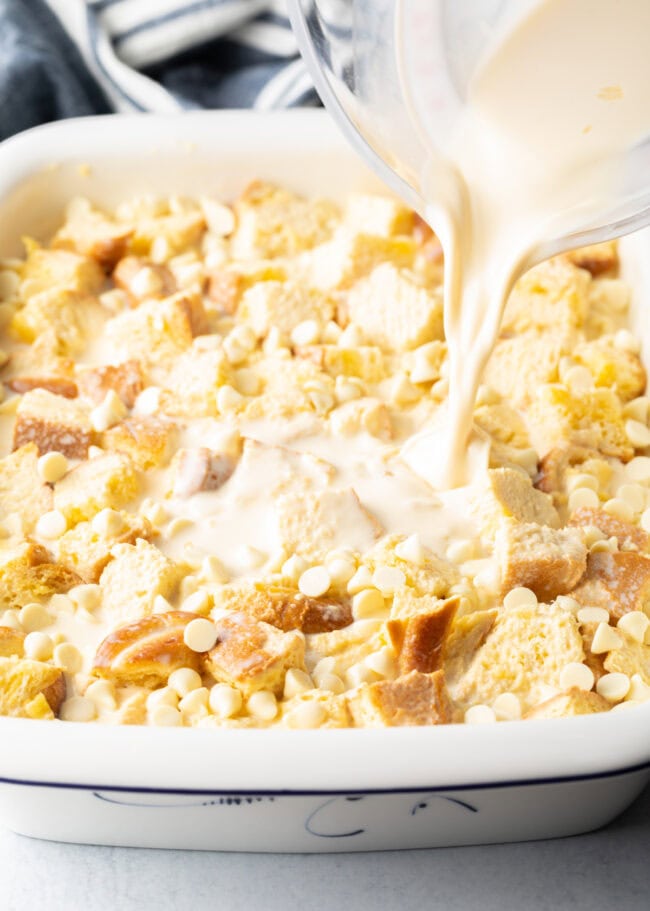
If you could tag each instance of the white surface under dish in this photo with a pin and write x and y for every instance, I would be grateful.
(279, 790)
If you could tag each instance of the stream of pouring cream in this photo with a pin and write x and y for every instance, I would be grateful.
(538, 152)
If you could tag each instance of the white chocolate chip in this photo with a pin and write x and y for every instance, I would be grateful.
(145, 283)
(637, 433)
(51, 525)
(460, 551)
(411, 550)
(619, 509)
(38, 646)
(639, 690)
(638, 469)
(351, 337)
(388, 579)
(200, 635)
(195, 703)
(314, 581)
(480, 714)
(575, 674)
(306, 333)
(605, 639)
(613, 687)
(358, 674)
(199, 602)
(625, 341)
(308, 715)
(341, 570)
(520, 597)
(368, 603)
(108, 523)
(360, 580)
(403, 391)
(638, 409)
(68, 656)
(294, 567)
(52, 466)
(165, 695)
(635, 624)
(34, 616)
(582, 479)
(382, 662)
(635, 495)
(148, 402)
(225, 701)
(184, 680)
(296, 682)
(578, 379)
(78, 708)
(583, 497)
(593, 615)
(111, 411)
(100, 692)
(262, 705)
(87, 597)
(331, 682)
(228, 399)
(219, 218)
(166, 716)
(507, 707)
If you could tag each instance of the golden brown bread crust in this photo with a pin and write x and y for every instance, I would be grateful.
(565, 705)
(31, 577)
(466, 636)
(629, 536)
(128, 267)
(86, 553)
(553, 466)
(619, 582)
(200, 469)
(145, 439)
(11, 642)
(286, 608)
(147, 651)
(550, 562)
(125, 379)
(224, 290)
(30, 689)
(419, 640)
(58, 385)
(412, 699)
(597, 259)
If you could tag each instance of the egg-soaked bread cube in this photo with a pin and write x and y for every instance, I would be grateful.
(27, 574)
(191, 387)
(149, 441)
(11, 642)
(54, 423)
(327, 710)
(44, 270)
(612, 367)
(419, 639)
(518, 366)
(348, 256)
(431, 576)
(384, 216)
(628, 535)
(549, 561)
(597, 259)
(524, 652)
(22, 490)
(272, 222)
(70, 315)
(108, 481)
(551, 296)
(508, 493)
(619, 582)
(286, 608)
(630, 658)
(412, 699)
(30, 689)
(132, 579)
(569, 704)
(395, 312)
(252, 655)
(126, 380)
(366, 361)
(92, 233)
(283, 305)
(86, 551)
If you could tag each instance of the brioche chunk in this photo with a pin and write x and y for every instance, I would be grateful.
(22, 491)
(125, 379)
(567, 705)
(419, 639)
(136, 574)
(93, 233)
(11, 642)
(283, 305)
(285, 608)
(628, 535)
(30, 689)
(619, 582)
(27, 574)
(507, 493)
(412, 699)
(253, 655)
(105, 482)
(147, 651)
(54, 423)
(86, 550)
(148, 441)
(44, 270)
(548, 561)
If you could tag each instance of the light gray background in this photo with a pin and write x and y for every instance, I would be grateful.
(604, 871)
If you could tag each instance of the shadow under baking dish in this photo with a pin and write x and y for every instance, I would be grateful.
(276, 790)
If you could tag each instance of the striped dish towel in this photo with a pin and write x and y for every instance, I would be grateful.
(170, 55)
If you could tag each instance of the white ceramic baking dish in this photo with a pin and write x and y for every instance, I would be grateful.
(333, 790)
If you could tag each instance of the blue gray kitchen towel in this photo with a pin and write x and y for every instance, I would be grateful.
(66, 58)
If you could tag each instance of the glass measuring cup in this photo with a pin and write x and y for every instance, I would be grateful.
(395, 75)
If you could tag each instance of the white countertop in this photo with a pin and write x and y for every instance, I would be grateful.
(603, 870)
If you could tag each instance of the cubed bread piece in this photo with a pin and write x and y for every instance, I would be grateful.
(508, 493)
(552, 295)
(366, 362)
(592, 419)
(419, 639)
(158, 281)
(412, 699)
(556, 463)
(383, 216)
(367, 414)
(631, 658)
(54, 423)
(179, 229)
(628, 535)
(612, 367)
(313, 523)
(22, 490)
(619, 582)
(108, 481)
(283, 305)
(597, 259)
(569, 704)
(466, 635)
(316, 709)
(144, 653)
(252, 655)
(57, 385)
(199, 469)
(132, 579)
(504, 424)
(49, 269)
(348, 256)
(26, 574)
(348, 646)
(285, 608)
(432, 576)
(92, 233)
(518, 366)
(149, 441)
(524, 653)
(125, 379)
(394, 311)
(191, 387)
(272, 221)
(70, 315)
(549, 561)
(86, 551)
(156, 332)
(265, 471)
(225, 289)
(30, 689)
(11, 642)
